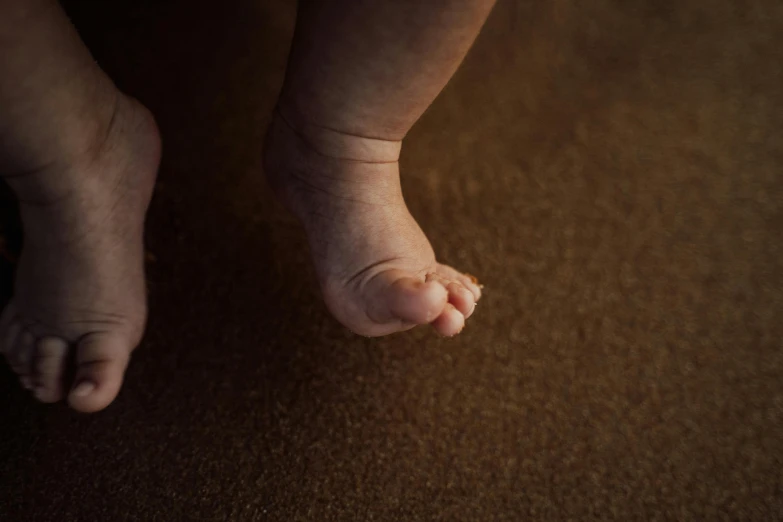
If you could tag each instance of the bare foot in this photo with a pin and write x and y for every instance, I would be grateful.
(80, 280)
(377, 270)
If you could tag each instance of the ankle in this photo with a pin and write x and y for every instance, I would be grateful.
(61, 130)
(311, 167)
(121, 131)
(79, 141)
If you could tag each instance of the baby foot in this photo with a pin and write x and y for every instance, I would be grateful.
(377, 270)
(79, 289)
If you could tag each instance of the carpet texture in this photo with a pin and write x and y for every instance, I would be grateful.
(611, 170)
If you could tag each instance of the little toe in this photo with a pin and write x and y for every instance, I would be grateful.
(9, 338)
(20, 355)
(48, 368)
(450, 322)
(408, 299)
(468, 281)
(461, 298)
(101, 362)
(8, 316)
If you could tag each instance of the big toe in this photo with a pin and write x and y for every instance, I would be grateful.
(101, 362)
(414, 301)
(399, 301)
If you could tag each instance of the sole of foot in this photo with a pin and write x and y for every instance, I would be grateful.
(377, 270)
(79, 303)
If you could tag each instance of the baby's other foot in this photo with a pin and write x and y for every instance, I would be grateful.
(79, 289)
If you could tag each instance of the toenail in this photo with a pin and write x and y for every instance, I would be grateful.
(83, 389)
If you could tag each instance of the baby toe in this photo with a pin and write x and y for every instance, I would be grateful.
(49, 368)
(10, 335)
(450, 322)
(468, 281)
(461, 298)
(21, 355)
(6, 319)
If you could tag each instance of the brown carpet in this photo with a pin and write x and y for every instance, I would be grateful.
(611, 170)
